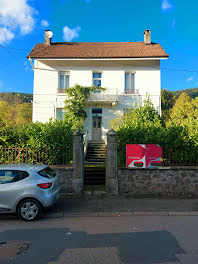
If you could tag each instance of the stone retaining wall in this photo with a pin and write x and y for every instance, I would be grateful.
(163, 182)
(65, 178)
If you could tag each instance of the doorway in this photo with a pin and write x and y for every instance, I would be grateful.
(96, 128)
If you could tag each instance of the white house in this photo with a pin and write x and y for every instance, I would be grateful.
(129, 71)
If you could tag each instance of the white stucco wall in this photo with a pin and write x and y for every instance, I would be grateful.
(46, 100)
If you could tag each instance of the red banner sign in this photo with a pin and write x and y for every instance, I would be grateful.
(143, 156)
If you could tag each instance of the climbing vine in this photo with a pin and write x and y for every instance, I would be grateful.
(75, 104)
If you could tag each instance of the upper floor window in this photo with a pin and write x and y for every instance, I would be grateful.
(129, 83)
(63, 81)
(97, 76)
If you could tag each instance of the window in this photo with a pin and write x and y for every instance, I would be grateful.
(96, 110)
(9, 176)
(60, 113)
(129, 83)
(97, 76)
(63, 81)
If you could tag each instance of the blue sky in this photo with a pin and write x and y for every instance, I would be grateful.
(173, 24)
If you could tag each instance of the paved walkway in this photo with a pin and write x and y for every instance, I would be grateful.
(122, 205)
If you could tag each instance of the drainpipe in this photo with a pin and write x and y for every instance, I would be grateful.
(54, 110)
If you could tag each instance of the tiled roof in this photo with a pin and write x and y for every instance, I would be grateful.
(97, 50)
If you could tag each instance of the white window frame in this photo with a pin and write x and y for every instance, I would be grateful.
(132, 91)
(64, 73)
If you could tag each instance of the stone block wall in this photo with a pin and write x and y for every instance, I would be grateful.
(164, 182)
(65, 178)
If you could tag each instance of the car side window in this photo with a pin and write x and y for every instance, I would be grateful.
(9, 176)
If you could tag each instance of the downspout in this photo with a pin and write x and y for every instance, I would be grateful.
(54, 110)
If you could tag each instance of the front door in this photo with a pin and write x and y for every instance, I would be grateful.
(96, 128)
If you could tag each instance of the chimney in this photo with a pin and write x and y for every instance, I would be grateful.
(147, 36)
(48, 37)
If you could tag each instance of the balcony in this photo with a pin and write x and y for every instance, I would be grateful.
(106, 97)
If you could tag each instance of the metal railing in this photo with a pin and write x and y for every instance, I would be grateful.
(180, 156)
(176, 157)
(108, 95)
(47, 155)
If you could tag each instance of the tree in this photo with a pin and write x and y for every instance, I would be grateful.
(184, 109)
(75, 104)
(24, 115)
(7, 114)
(167, 102)
(142, 125)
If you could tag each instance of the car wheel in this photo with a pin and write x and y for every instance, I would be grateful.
(29, 209)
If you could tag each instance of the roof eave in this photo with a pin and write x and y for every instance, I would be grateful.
(99, 58)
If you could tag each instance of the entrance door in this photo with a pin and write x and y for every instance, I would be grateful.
(96, 128)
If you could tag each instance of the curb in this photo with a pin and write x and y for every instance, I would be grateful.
(104, 214)
(118, 214)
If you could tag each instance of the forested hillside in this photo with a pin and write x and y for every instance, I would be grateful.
(13, 98)
(15, 109)
(191, 92)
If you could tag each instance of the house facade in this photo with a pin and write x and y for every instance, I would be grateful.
(129, 72)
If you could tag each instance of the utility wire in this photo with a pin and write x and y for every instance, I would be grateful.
(113, 62)
(11, 54)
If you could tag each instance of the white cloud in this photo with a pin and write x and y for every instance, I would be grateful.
(5, 35)
(166, 5)
(44, 23)
(17, 14)
(190, 79)
(70, 33)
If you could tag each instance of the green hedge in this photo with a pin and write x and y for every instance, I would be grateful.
(143, 125)
(54, 137)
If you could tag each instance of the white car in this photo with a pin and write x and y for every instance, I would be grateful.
(26, 189)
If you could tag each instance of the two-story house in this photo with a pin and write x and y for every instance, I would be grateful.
(129, 71)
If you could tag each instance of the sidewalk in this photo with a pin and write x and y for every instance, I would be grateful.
(122, 206)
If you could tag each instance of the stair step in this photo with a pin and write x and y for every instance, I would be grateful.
(95, 158)
(101, 173)
(90, 163)
(94, 174)
(96, 153)
(94, 182)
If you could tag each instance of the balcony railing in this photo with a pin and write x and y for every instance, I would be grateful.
(107, 96)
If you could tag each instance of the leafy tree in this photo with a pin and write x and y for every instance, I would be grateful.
(24, 114)
(75, 104)
(142, 125)
(184, 109)
(7, 114)
(167, 102)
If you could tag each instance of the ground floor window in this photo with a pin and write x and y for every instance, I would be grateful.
(60, 113)
(96, 110)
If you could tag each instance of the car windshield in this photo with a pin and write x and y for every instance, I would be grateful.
(47, 173)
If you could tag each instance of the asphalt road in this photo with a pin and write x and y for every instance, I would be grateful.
(105, 240)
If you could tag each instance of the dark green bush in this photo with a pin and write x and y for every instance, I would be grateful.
(54, 138)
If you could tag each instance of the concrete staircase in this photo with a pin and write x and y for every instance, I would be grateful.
(94, 171)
